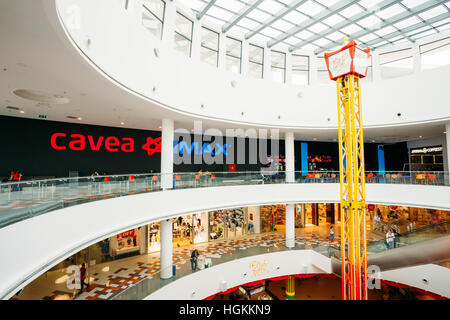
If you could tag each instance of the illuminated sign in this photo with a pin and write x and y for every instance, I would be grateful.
(207, 148)
(81, 142)
(427, 150)
(259, 268)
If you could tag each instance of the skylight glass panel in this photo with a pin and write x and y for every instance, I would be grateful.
(423, 34)
(310, 8)
(327, 3)
(214, 21)
(412, 3)
(441, 23)
(156, 7)
(407, 22)
(368, 37)
(295, 17)
(442, 28)
(318, 27)
(336, 36)
(220, 13)
(390, 11)
(386, 30)
(270, 6)
(247, 23)
(291, 41)
(351, 11)
(417, 30)
(183, 26)
(282, 25)
(258, 15)
(194, 4)
(351, 29)
(321, 42)
(369, 4)
(304, 34)
(309, 46)
(433, 12)
(333, 20)
(210, 39)
(271, 32)
(371, 21)
(238, 29)
(231, 5)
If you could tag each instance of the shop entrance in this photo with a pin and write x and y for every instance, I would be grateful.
(228, 224)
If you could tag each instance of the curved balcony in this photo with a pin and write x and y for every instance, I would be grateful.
(26, 199)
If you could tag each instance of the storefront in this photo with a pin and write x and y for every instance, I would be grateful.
(426, 159)
(229, 224)
(154, 236)
(125, 243)
(273, 218)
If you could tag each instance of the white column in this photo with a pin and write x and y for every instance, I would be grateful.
(288, 68)
(196, 40)
(166, 258)
(143, 240)
(267, 64)
(417, 61)
(167, 154)
(289, 148)
(290, 226)
(313, 80)
(222, 51)
(245, 54)
(447, 147)
(169, 23)
(376, 71)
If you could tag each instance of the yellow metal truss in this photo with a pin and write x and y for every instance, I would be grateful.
(352, 189)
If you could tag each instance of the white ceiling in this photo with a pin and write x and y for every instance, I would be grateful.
(37, 56)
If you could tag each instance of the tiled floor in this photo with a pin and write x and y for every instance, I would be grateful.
(112, 278)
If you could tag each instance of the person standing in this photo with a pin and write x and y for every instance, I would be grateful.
(194, 259)
(389, 239)
(83, 273)
(331, 233)
(396, 238)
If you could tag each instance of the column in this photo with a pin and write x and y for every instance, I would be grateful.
(196, 40)
(289, 149)
(288, 68)
(166, 249)
(222, 51)
(244, 62)
(167, 154)
(267, 64)
(143, 240)
(290, 226)
(290, 288)
(417, 61)
(376, 71)
(313, 80)
(170, 14)
(447, 147)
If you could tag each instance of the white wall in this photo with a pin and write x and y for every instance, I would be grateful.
(438, 278)
(123, 49)
(207, 282)
(41, 242)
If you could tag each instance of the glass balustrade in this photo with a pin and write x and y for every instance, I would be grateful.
(24, 199)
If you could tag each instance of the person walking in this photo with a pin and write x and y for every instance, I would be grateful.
(83, 272)
(396, 238)
(389, 239)
(331, 233)
(194, 259)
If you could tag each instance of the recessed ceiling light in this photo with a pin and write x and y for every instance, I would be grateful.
(122, 123)
(159, 127)
(21, 111)
(80, 118)
(41, 96)
(420, 136)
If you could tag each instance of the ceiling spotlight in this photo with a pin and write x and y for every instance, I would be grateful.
(122, 123)
(420, 136)
(373, 140)
(159, 127)
(21, 111)
(156, 52)
(80, 118)
(314, 138)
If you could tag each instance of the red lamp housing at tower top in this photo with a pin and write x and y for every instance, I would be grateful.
(348, 60)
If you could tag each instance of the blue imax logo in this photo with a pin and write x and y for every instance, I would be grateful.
(216, 149)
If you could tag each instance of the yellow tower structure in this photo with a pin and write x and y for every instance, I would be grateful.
(347, 66)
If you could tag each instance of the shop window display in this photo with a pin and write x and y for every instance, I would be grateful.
(125, 243)
(228, 224)
(273, 218)
(154, 237)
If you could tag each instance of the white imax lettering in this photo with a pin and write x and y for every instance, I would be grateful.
(208, 147)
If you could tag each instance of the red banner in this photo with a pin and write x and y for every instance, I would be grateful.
(126, 234)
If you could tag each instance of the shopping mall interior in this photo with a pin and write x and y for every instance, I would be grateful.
(225, 150)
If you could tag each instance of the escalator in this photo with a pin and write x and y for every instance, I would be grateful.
(422, 246)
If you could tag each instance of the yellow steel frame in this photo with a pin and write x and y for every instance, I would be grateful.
(352, 189)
